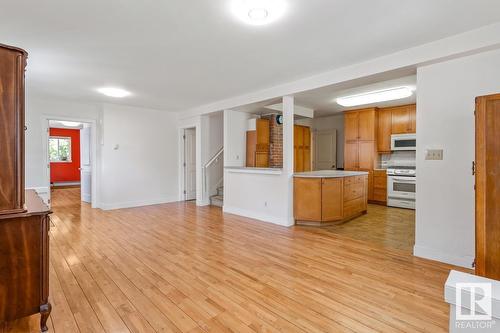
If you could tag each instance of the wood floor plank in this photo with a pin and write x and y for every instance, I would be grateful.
(185, 269)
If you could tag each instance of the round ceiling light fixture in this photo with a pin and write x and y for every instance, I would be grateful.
(114, 92)
(258, 12)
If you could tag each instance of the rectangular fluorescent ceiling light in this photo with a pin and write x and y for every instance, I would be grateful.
(376, 96)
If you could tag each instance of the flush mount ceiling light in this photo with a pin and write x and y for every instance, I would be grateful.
(113, 92)
(258, 12)
(376, 96)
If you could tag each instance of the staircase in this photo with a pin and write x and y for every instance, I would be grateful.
(218, 199)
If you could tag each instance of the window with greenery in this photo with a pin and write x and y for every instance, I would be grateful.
(60, 149)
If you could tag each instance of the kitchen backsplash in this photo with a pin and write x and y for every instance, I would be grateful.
(397, 158)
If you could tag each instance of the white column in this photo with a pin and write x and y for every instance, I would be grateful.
(288, 158)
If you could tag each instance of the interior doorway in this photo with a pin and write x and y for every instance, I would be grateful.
(189, 164)
(70, 158)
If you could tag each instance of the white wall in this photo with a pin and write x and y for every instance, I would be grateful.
(445, 120)
(143, 170)
(266, 197)
(235, 128)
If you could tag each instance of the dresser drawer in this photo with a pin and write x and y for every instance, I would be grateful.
(353, 191)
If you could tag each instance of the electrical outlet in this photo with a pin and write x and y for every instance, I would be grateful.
(434, 154)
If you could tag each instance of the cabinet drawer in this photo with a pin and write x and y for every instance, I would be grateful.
(353, 180)
(353, 191)
(353, 207)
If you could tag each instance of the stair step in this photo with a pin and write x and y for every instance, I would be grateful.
(220, 190)
(217, 200)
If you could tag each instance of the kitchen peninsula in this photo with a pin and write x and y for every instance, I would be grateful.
(329, 196)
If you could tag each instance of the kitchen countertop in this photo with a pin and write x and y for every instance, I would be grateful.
(329, 174)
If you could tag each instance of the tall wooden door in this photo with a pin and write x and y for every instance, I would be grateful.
(488, 186)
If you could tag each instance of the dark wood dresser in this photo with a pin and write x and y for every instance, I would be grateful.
(24, 218)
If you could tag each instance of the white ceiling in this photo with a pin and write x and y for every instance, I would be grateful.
(179, 54)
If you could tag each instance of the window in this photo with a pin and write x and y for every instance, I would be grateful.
(60, 149)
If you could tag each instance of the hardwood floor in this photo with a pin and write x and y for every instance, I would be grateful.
(179, 268)
(388, 227)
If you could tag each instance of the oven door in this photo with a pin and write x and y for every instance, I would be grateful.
(401, 187)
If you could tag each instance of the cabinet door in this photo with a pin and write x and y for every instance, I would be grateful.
(366, 155)
(412, 115)
(332, 202)
(307, 199)
(351, 126)
(351, 155)
(307, 148)
(262, 159)
(251, 143)
(366, 125)
(263, 132)
(384, 131)
(298, 138)
(400, 120)
(370, 187)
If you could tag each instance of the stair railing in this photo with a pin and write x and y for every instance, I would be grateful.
(213, 161)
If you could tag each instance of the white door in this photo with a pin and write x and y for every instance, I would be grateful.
(85, 164)
(326, 150)
(190, 163)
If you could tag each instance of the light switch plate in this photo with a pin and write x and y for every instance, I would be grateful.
(434, 154)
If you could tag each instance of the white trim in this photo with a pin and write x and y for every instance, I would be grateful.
(403, 62)
(432, 254)
(257, 216)
(192, 123)
(138, 203)
(45, 118)
(262, 171)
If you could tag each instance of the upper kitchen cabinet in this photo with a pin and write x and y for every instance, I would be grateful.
(360, 125)
(258, 141)
(384, 131)
(394, 120)
(403, 119)
(302, 148)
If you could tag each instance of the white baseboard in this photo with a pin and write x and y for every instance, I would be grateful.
(257, 216)
(428, 253)
(56, 184)
(139, 203)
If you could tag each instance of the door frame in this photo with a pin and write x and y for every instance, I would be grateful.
(185, 163)
(196, 124)
(93, 145)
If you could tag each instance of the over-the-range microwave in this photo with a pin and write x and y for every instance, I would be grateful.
(403, 142)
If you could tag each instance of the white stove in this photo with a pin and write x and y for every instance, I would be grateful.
(401, 186)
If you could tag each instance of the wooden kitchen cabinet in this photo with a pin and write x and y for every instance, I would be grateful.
(332, 207)
(384, 131)
(351, 132)
(403, 119)
(380, 186)
(320, 200)
(487, 185)
(258, 145)
(302, 148)
(367, 124)
(360, 154)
